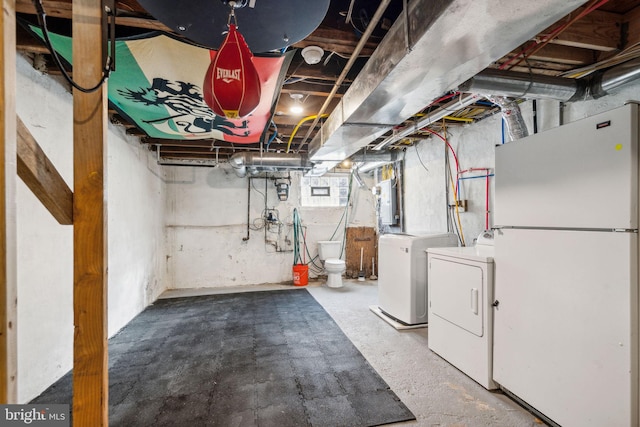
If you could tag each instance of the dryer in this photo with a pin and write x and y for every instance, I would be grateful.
(460, 283)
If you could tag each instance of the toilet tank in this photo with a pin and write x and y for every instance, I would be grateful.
(329, 249)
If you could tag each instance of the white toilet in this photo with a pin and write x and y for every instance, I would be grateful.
(329, 253)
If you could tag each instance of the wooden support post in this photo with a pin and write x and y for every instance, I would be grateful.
(42, 177)
(8, 286)
(90, 367)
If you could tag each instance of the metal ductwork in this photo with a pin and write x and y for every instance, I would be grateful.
(519, 85)
(431, 48)
(432, 117)
(525, 85)
(375, 156)
(248, 163)
(512, 116)
(604, 82)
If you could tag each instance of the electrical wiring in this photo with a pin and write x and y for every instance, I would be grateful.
(295, 129)
(109, 61)
(457, 210)
(258, 224)
(420, 159)
(275, 133)
(629, 53)
(459, 119)
(453, 186)
(258, 191)
(535, 46)
(452, 220)
(486, 176)
(455, 156)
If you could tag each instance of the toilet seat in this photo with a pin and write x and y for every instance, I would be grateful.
(334, 263)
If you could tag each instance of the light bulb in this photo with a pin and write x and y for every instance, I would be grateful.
(296, 109)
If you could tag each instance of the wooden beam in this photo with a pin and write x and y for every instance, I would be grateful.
(342, 42)
(8, 274)
(564, 55)
(90, 367)
(62, 9)
(598, 31)
(41, 176)
(632, 19)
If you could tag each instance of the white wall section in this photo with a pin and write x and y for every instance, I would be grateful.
(207, 227)
(425, 203)
(45, 248)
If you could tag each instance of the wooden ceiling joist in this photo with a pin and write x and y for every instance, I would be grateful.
(335, 40)
(63, 9)
(597, 31)
(632, 23)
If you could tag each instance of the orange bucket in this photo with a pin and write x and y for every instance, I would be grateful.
(300, 274)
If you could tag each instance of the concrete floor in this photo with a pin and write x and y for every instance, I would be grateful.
(437, 393)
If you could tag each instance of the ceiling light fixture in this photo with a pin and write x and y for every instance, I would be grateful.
(312, 54)
(296, 108)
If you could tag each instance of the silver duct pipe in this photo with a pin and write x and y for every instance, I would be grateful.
(252, 163)
(464, 101)
(371, 166)
(516, 127)
(406, 72)
(382, 7)
(615, 77)
(377, 156)
(185, 162)
(524, 85)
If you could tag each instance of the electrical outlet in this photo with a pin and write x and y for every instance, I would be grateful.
(462, 205)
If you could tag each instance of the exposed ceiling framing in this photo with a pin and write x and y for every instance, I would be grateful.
(585, 41)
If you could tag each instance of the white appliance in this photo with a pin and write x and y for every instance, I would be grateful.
(402, 274)
(460, 282)
(566, 324)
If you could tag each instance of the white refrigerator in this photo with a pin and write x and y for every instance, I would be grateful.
(566, 324)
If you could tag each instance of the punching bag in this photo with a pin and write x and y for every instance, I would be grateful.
(232, 85)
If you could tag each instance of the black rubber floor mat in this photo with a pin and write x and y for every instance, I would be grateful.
(273, 358)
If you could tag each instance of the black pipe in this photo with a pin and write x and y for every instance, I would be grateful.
(535, 116)
(244, 239)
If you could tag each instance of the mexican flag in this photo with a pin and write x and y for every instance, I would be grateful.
(158, 81)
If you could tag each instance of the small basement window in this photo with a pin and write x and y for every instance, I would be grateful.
(324, 191)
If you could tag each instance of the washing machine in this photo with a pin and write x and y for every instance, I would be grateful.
(460, 290)
(402, 274)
